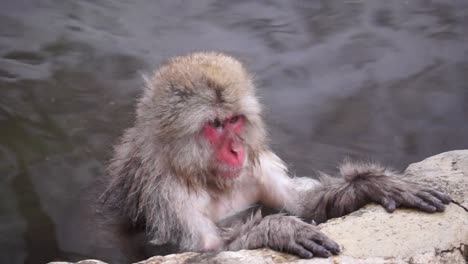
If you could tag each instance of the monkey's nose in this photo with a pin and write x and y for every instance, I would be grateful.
(235, 153)
(236, 147)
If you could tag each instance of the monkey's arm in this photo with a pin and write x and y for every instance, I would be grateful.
(359, 184)
(279, 232)
(362, 183)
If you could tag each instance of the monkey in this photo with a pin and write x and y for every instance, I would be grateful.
(197, 156)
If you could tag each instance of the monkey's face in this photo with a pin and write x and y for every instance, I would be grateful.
(202, 113)
(228, 149)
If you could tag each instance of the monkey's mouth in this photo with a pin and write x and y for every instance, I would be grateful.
(229, 172)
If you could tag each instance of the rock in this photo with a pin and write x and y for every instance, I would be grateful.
(371, 235)
(88, 261)
(447, 171)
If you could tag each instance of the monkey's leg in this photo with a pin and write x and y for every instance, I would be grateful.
(363, 183)
(280, 232)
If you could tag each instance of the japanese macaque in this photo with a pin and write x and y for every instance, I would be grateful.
(197, 156)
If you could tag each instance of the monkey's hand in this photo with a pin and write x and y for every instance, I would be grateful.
(393, 192)
(282, 233)
(291, 235)
(383, 186)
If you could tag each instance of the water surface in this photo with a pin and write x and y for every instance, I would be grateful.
(380, 80)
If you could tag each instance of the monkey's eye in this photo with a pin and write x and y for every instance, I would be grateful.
(216, 123)
(234, 119)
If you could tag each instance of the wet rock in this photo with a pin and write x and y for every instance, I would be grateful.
(372, 235)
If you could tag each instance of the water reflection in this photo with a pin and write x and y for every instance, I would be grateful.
(383, 80)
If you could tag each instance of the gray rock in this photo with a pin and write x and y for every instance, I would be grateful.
(371, 235)
(447, 171)
(88, 261)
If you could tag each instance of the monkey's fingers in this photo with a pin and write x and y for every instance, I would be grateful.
(299, 250)
(315, 248)
(445, 198)
(433, 200)
(323, 241)
(410, 200)
(388, 203)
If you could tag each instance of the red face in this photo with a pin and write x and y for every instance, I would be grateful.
(229, 150)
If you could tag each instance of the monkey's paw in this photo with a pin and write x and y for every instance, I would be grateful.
(291, 235)
(395, 193)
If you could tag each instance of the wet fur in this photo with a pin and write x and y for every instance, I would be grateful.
(160, 178)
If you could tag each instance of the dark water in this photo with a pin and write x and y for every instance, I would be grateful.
(385, 80)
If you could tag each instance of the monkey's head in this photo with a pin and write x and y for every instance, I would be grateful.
(202, 113)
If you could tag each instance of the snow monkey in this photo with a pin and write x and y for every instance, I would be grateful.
(197, 156)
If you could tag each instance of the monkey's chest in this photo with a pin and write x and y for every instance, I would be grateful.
(223, 207)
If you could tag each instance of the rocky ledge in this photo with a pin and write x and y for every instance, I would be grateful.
(371, 235)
